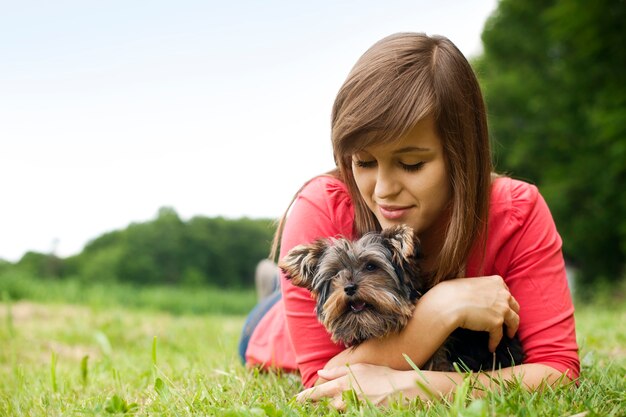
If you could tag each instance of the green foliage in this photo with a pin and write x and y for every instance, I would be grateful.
(236, 248)
(117, 405)
(167, 250)
(4, 265)
(152, 251)
(41, 265)
(555, 85)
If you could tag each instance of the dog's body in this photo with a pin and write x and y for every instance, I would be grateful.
(368, 288)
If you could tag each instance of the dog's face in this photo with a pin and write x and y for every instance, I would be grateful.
(363, 289)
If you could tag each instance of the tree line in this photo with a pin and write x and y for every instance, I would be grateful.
(554, 77)
(167, 250)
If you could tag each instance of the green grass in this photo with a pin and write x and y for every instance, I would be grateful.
(83, 360)
(178, 300)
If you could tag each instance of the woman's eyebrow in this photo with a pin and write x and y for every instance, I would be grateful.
(412, 149)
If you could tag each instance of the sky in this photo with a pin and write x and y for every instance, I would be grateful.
(110, 110)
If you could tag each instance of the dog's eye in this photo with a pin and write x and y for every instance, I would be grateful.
(371, 267)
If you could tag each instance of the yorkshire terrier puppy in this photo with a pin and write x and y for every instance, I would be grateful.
(364, 289)
(368, 288)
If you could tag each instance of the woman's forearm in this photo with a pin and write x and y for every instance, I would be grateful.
(380, 384)
(425, 332)
(442, 384)
(480, 304)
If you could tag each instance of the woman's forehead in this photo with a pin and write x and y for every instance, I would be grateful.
(422, 138)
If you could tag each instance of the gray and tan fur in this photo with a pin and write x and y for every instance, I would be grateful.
(364, 289)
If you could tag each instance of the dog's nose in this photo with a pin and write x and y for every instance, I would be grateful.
(350, 289)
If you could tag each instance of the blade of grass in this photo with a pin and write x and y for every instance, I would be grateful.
(53, 371)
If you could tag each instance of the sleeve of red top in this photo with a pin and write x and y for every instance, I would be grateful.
(322, 209)
(535, 274)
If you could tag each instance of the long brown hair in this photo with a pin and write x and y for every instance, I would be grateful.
(399, 81)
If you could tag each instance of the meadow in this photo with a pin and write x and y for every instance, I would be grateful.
(88, 358)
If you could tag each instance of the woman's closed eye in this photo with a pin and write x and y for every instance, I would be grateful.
(364, 164)
(412, 167)
(372, 163)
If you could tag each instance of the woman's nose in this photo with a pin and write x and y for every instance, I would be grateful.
(387, 184)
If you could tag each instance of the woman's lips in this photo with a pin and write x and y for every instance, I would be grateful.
(393, 212)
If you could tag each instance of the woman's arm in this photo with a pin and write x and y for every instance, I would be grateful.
(526, 249)
(482, 304)
(322, 209)
(381, 384)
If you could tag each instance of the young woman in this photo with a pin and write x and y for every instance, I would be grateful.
(410, 140)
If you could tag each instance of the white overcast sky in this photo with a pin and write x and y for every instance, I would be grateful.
(112, 109)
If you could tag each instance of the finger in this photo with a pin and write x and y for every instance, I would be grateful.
(333, 373)
(305, 395)
(313, 394)
(338, 403)
(327, 389)
(512, 323)
(514, 304)
(494, 338)
(500, 280)
(510, 333)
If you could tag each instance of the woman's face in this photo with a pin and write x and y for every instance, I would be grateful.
(405, 182)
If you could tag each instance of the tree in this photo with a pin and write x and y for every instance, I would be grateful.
(554, 78)
(40, 265)
(227, 251)
(153, 252)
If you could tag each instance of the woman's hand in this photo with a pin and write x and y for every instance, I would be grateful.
(383, 385)
(481, 304)
(378, 384)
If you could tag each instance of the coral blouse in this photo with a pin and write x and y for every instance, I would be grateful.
(523, 247)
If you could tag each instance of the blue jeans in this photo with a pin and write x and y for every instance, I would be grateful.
(255, 316)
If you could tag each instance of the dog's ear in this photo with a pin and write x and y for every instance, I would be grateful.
(300, 264)
(405, 254)
(402, 243)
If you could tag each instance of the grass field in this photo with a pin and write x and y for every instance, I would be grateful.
(87, 360)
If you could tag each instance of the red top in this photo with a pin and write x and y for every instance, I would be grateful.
(523, 247)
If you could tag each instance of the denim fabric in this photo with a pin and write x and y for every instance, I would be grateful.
(255, 316)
